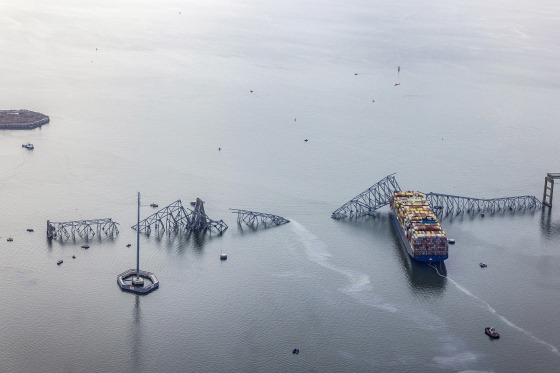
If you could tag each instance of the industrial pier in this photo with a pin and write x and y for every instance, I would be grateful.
(21, 119)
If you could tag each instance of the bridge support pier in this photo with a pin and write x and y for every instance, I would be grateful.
(549, 188)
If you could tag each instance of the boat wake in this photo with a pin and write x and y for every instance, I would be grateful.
(360, 289)
(316, 251)
(552, 348)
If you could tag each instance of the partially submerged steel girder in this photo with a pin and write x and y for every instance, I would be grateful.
(175, 217)
(84, 228)
(253, 218)
(446, 204)
(369, 200)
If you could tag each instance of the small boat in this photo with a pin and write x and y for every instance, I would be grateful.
(59, 262)
(28, 146)
(482, 265)
(153, 205)
(295, 351)
(85, 246)
(128, 245)
(223, 256)
(451, 241)
(29, 229)
(73, 256)
(10, 239)
(491, 332)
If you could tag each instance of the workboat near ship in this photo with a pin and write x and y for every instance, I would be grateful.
(28, 146)
(418, 227)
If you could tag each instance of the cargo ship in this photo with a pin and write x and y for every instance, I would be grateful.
(418, 227)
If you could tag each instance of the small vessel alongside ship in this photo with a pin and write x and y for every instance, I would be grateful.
(418, 227)
(28, 146)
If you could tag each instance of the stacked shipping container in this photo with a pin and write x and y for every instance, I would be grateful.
(420, 226)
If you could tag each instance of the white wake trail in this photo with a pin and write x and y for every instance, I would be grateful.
(552, 348)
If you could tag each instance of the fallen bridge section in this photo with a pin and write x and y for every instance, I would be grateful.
(175, 217)
(83, 228)
(446, 204)
(254, 218)
(371, 199)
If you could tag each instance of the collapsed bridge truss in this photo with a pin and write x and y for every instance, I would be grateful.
(254, 218)
(175, 217)
(454, 205)
(84, 228)
(369, 200)
(378, 195)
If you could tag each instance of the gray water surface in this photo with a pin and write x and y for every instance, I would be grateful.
(142, 94)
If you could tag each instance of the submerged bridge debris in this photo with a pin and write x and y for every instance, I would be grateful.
(254, 218)
(84, 228)
(378, 195)
(175, 217)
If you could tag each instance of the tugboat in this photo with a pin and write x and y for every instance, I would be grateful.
(491, 332)
(28, 146)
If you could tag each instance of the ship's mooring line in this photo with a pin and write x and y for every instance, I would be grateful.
(552, 348)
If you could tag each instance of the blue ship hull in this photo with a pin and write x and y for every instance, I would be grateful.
(402, 235)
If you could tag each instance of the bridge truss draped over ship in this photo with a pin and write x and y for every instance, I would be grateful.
(371, 199)
(378, 195)
(175, 217)
(83, 228)
(254, 218)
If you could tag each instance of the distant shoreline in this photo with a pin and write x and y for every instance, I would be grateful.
(21, 119)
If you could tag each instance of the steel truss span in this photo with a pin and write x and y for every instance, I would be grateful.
(378, 195)
(369, 200)
(83, 228)
(254, 218)
(445, 204)
(175, 217)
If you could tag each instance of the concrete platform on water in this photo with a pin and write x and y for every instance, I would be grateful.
(127, 281)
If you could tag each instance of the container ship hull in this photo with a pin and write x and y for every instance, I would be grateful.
(418, 228)
(406, 244)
